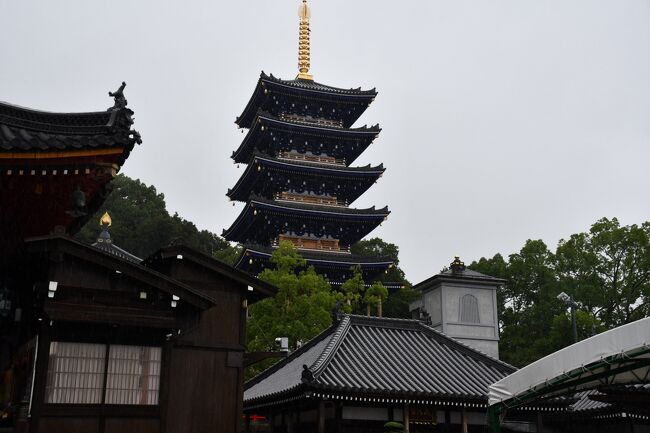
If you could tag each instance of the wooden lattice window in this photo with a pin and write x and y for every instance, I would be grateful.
(82, 373)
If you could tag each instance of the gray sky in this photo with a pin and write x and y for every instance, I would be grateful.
(502, 120)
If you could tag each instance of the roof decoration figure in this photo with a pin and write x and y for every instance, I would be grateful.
(118, 95)
(304, 60)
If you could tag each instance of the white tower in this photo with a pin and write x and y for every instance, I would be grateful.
(462, 304)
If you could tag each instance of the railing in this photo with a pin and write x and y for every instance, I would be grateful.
(321, 159)
(318, 121)
(320, 200)
(314, 244)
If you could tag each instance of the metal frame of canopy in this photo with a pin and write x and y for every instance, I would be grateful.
(618, 356)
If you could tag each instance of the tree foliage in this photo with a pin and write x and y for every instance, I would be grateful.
(606, 270)
(142, 224)
(397, 304)
(300, 310)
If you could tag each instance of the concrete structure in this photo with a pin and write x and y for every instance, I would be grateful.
(462, 304)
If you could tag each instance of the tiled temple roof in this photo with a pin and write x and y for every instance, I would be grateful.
(382, 357)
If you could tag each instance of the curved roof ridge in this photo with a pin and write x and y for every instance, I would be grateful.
(328, 353)
(313, 85)
(309, 164)
(284, 361)
(307, 207)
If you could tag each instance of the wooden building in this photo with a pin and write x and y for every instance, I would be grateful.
(366, 371)
(94, 339)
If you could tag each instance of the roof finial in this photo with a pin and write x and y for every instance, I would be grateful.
(457, 265)
(303, 43)
(105, 222)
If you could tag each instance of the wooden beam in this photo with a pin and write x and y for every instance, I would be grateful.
(321, 417)
(62, 154)
(70, 312)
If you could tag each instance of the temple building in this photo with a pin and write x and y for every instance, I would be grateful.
(55, 167)
(299, 182)
(92, 338)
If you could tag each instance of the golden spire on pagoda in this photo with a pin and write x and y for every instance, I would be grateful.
(105, 220)
(303, 43)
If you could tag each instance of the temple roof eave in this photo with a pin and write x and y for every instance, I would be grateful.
(236, 230)
(250, 176)
(266, 120)
(315, 89)
(334, 259)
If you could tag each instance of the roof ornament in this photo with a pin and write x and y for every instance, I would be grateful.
(105, 222)
(303, 43)
(307, 375)
(337, 312)
(78, 202)
(118, 95)
(457, 266)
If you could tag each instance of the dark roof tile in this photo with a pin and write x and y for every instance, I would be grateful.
(383, 356)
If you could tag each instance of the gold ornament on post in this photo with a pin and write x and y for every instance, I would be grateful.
(303, 43)
(106, 220)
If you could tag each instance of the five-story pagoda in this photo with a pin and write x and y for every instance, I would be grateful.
(298, 184)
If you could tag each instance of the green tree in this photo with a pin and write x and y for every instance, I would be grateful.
(608, 270)
(142, 224)
(374, 297)
(300, 310)
(353, 290)
(397, 304)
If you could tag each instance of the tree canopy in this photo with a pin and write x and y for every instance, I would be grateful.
(300, 310)
(142, 224)
(397, 304)
(606, 270)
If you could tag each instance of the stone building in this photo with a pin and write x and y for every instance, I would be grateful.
(462, 304)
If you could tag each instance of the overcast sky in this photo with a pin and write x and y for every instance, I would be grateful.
(502, 120)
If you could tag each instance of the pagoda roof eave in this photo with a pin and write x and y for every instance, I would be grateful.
(313, 257)
(250, 175)
(261, 203)
(267, 120)
(235, 231)
(308, 88)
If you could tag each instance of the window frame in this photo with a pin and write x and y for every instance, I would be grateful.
(159, 359)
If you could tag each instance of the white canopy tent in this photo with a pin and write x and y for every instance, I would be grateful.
(618, 356)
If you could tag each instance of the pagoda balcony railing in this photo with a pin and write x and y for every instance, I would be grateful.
(319, 200)
(317, 121)
(312, 244)
(320, 159)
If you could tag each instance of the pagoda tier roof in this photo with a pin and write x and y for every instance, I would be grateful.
(320, 258)
(28, 133)
(332, 264)
(267, 176)
(262, 220)
(267, 124)
(269, 86)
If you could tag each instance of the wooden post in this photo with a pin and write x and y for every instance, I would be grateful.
(463, 420)
(406, 418)
(540, 423)
(321, 417)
